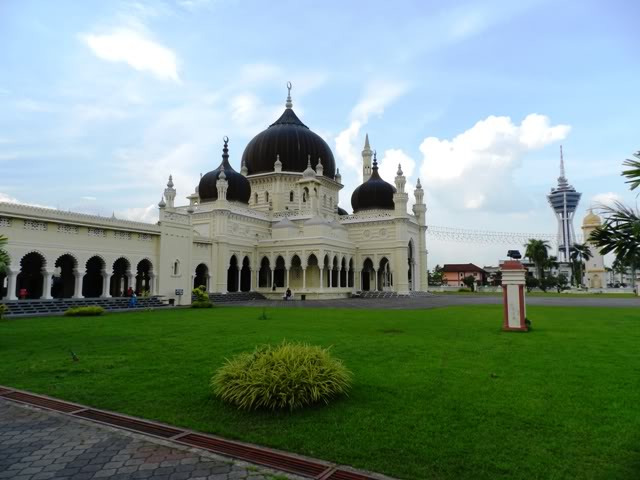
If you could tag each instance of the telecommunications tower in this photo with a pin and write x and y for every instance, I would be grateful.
(564, 200)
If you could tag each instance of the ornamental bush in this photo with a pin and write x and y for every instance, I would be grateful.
(91, 311)
(3, 310)
(201, 298)
(286, 376)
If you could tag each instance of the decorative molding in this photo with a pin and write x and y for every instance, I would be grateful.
(53, 215)
(69, 229)
(122, 235)
(97, 232)
(35, 225)
(5, 222)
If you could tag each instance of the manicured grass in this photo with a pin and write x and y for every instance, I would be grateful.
(439, 393)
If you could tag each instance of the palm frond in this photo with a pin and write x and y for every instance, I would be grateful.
(633, 173)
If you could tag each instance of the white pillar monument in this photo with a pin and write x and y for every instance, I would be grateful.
(513, 296)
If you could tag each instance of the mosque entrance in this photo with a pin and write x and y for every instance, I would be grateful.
(313, 272)
(143, 277)
(279, 273)
(245, 275)
(385, 278)
(202, 273)
(30, 276)
(232, 275)
(367, 275)
(264, 276)
(92, 283)
(120, 278)
(64, 280)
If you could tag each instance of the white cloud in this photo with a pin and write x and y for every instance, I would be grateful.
(142, 214)
(474, 169)
(4, 198)
(375, 98)
(135, 49)
(89, 198)
(607, 199)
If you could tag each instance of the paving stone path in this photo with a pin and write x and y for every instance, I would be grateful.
(42, 445)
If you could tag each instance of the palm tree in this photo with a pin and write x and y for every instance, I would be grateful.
(633, 174)
(620, 233)
(537, 251)
(4, 256)
(551, 263)
(580, 253)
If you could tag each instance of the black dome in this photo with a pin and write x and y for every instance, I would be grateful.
(292, 140)
(375, 193)
(239, 189)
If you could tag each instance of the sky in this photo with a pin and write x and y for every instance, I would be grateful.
(101, 101)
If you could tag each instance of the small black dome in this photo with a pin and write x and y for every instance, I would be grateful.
(292, 140)
(342, 211)
(375, 193)
(239, 189)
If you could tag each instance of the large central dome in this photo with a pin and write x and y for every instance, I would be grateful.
(292, 140)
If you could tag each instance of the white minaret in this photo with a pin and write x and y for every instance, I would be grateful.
(170, 193)
(367, 153)
(595, 273)
(400, 198)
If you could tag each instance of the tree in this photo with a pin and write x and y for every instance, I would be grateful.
(618, 266)
(579, 253)
(496, 278)
(470, 282)
(4, 256)
(562, 282)
(537, 251)
(620, 233)
(531, 282)
(435, 278)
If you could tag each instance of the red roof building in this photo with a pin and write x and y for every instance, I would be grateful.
(453, 274)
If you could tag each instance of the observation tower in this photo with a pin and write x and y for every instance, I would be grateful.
(564, 200)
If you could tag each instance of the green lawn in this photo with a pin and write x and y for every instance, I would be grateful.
(545, 294)
(439, 393)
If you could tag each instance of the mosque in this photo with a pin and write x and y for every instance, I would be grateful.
(274, 225)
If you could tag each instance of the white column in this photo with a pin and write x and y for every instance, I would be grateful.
(273, 277)
(47, 278)
(288, 270)
(12, 276)
(77, 289)
(152, 284)
(131, 282)
(375, 279)
(304, 278)
(321, 277)
(250, 280)
(106, 284)
(238, 282)
(257, 279)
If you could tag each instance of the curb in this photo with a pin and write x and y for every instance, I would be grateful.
(267, 457)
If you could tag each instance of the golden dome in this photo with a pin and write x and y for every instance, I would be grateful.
(592, 219)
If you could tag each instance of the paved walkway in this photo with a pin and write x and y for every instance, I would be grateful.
(42, 445)
(435, 300)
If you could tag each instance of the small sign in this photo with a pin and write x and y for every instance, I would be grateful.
(179, 291)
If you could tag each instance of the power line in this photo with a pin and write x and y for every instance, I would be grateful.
(463, 235)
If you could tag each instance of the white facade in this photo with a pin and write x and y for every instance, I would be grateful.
(290, 235)
(595, 272)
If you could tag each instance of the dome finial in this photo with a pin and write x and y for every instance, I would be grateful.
(289, 103)
(225, 150)
(399, 170)
(375, 160)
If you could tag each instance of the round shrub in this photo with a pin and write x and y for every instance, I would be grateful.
(89, 311)
(286, 376)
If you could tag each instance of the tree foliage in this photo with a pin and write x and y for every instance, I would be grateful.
(537, 251)
(4, 256)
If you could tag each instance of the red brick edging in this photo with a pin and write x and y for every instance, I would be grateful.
(287, 462)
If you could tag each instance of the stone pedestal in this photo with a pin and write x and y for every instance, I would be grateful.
(513, 296)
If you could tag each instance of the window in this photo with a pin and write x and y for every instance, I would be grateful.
(176, 267)
(96, 232)
(255, 198)
(291, 196)
(266, 197)
(305, 194)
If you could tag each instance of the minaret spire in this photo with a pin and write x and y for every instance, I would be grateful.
(289, 103)
(562, 173)
(366, 142)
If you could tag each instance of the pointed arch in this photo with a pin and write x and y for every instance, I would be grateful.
(120, 278)
(233, 275)
(245, 275)
(264, 276)
(31, 278)
(93, 280)
(279, 272)
(385, 278)
(144, 272)
(368, 275)
(295, 273)
(343, 272)
(201, 276)
(64, 280)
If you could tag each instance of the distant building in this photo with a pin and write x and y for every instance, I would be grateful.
(453, 274)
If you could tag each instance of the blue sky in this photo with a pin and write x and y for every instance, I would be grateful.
(101, 101)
